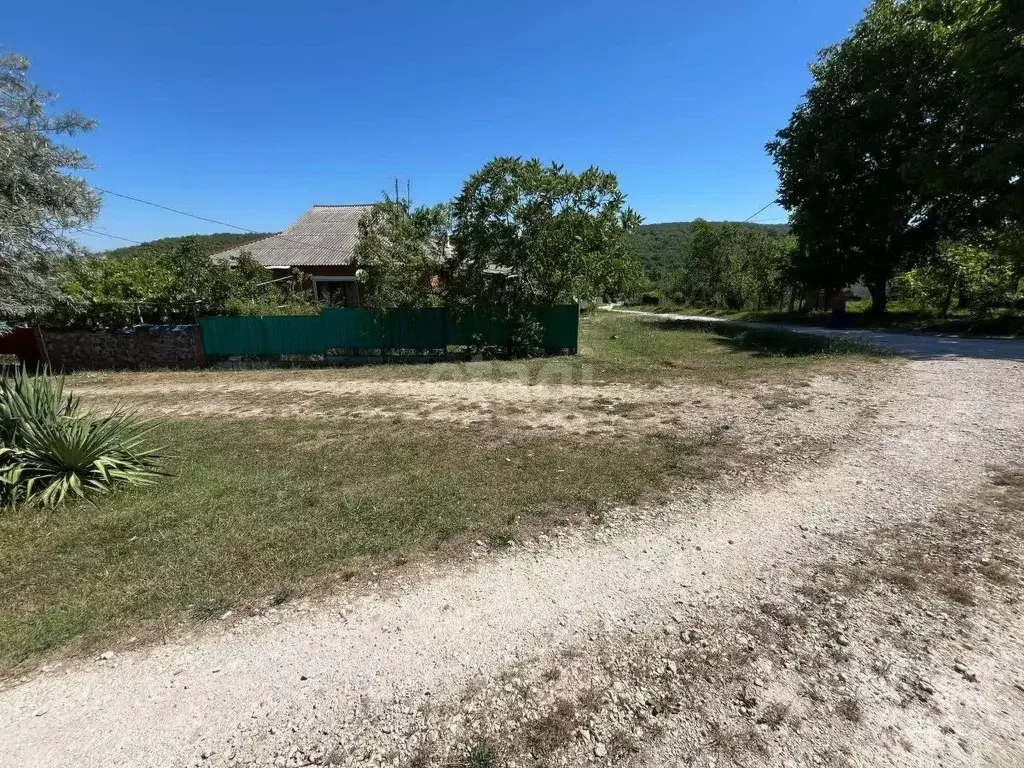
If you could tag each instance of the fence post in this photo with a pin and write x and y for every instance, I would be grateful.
(197, 339)
(41, 346)
(576, 345)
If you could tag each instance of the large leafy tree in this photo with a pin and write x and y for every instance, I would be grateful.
(40, 200)
(526, 234)
(903, 140)
(402, 249)
(981, 150)
(977, 279)
(842, 159)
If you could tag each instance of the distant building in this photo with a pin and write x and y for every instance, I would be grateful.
(320, 244)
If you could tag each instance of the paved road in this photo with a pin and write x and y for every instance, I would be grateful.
(919, 346)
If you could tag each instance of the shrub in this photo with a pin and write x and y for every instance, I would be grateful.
(977, 279)
(51, 449)
(171, 286)
(650, 298)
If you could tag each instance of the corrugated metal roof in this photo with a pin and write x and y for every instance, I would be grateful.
(325, 236)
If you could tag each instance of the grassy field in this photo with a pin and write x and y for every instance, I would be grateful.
(898, 318)
(261, 508)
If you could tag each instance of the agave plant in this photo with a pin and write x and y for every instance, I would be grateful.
(51, 449)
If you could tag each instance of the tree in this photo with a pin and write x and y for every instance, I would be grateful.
(197, 283)
(402, 250)
(529, 234)
(761, 273)
(732, 266)
(977, 279)
(703, 277)
(909, 136)
(981, 152)
(39, 200)
(843, 156)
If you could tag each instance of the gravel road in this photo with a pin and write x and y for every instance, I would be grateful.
(355, 670)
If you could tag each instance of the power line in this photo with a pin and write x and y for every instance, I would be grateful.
(762, 210)
(174, 210)
(107, 234)
(247, 230)
(183, 213)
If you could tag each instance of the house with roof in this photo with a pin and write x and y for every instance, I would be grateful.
(321, 244)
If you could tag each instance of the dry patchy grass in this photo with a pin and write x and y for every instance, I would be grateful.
(260, 507)
(256, 508)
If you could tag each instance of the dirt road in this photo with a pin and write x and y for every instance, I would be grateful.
(488, 655)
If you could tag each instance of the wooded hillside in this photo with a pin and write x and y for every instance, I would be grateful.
(208, 244)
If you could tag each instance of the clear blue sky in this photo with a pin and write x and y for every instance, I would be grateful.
(250, 112)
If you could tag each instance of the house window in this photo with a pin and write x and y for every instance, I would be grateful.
(337, 291)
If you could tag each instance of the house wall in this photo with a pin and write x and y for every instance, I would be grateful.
(175, 346)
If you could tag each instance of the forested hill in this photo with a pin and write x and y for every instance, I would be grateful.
(663, 246)
(214, 243)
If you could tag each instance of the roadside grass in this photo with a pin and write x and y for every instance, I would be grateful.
(662, 351)
(773, 342)
(257, 509)
(899, 317)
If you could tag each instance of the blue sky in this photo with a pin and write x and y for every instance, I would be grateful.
(250, 112)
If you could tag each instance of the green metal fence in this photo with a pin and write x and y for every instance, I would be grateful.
(337, 331)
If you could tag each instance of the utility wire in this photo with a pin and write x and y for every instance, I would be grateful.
(175, 210)
(762, 210)
(247, 230)
(107, 234)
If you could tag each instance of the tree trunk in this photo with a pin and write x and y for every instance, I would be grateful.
(947, 300)
(879, 297)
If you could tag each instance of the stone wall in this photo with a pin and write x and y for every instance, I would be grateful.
(166, 346)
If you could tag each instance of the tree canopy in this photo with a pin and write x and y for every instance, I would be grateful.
(731, 266)
(664, 248)
(402, 250)
(909, 136)
(40, 201)
(528, 234)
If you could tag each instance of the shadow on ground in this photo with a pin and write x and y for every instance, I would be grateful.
(768, 341)
(789, 340)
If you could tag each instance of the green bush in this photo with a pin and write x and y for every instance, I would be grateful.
(963, 276)
(651, 298)
(171, 286)
(52, 450)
